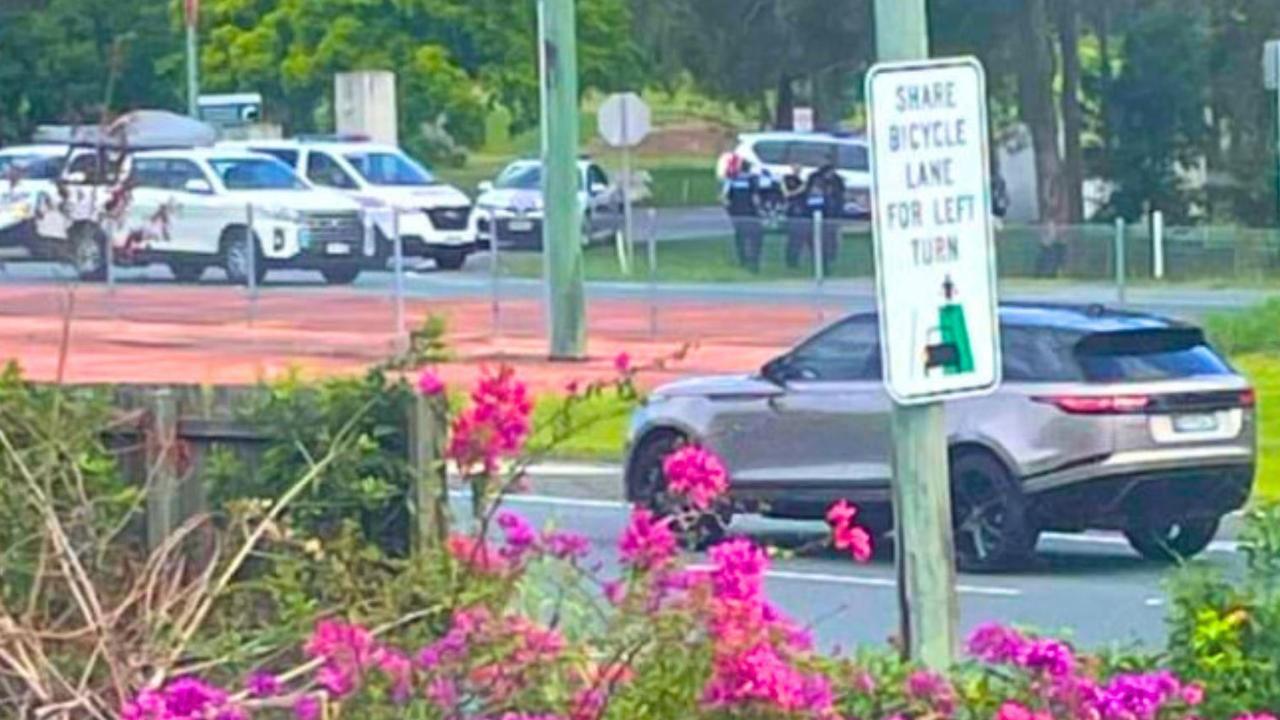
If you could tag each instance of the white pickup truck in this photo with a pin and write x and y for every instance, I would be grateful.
(434, 218)
(26, 173)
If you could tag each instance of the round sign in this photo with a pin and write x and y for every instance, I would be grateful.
(624, 120)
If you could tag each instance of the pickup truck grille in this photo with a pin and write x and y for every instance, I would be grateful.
(335, 227)
(449, 218)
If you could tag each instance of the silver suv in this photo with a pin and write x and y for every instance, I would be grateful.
(1105, 420)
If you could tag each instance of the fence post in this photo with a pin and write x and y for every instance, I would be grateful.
(1157, 244)
(819, 263)
(161, 433)
(1121, 274)
(397, 250)
(430, 496)
(251, 250)
(495, 276)
(651, 239)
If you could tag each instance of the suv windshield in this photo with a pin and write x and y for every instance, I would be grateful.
(525, 176)
(255, 174)
(384, 168)
(30, 167)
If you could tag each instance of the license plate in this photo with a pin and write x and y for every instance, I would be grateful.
(520, 225)
(338, 249)
(1199, 423)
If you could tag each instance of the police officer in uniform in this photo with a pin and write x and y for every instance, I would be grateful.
(831, 189)
(742, 200)
(799, 229)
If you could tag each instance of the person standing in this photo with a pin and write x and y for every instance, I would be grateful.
(833, 195)
(742, 201)
(799, 231)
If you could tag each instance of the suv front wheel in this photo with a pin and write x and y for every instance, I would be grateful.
(239, 255)
(1172, 540)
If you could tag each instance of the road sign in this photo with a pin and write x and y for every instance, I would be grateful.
(624, 120)
(802, 119)
(935, 257)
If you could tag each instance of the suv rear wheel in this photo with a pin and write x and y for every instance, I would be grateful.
(450, 259)
(989, 512)
(1172, 540)
(340, 274)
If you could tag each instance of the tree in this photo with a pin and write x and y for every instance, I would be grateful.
(55, 61)
(1072, 120)
(1158, 103)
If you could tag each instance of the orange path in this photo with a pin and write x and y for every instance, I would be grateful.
(215, 335)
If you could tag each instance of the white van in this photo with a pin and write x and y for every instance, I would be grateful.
(434, 218)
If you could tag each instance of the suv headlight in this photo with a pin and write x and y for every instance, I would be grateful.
(283, 214)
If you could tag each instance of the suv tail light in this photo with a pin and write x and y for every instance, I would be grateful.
(1248, 398)
(1098, 404)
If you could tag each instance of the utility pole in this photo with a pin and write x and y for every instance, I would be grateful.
(562, 226)
(921, 486)
(192, 8)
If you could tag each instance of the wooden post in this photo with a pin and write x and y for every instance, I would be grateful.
(161, 442)
(923, 539)
(921, 484)
(428, 433)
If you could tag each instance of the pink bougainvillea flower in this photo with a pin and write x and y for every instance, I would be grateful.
(494, 426)
(521, 539)
(182, 699)
(647, 542)
(262, 684)
(430, 384)
(1256, 716)
(622, 363)
(307, 707)
(696, 474)
(846, 534)
(1193, 694)
(476, 554)
(566, 545)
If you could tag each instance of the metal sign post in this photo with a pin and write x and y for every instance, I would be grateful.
(935, 276)
(625, 122)
(192, 17)
(397, 251)
(1271, 76)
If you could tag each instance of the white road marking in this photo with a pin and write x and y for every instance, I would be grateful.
(988, 590)
(1219, 546)
(1155, 602)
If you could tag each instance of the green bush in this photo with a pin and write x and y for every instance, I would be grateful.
(1225, 631)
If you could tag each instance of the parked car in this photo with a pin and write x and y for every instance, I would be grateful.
(25, 171)
(514, 200)
(382, 178)
(1105, 420)
(198, 208)
(776, 153)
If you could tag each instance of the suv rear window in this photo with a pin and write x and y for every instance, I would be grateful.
(853, 157)
(1142, 355)
(772, 152)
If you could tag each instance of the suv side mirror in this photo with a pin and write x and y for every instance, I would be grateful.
(485, 186)
(198, 186)
(777, 370)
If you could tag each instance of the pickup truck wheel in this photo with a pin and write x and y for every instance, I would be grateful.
(89, 252)
(992, 531)
(340, 275)
(236, 259)
(696, 530)
(451, 259)
(1172, 540)
(187, 272)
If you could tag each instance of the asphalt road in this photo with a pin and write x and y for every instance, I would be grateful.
(675, 225)
(1089, 588)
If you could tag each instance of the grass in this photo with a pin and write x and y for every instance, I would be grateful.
(603, 421)
(1264, 371)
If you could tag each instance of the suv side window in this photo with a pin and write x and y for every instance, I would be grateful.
(847, 352)
(95, 172)
(771, 152)
(853, 157)
(811, 154)
(180, 171)
(1042, 355)
(288, 157)
(324, 170)
(147, 173)
(596, 177)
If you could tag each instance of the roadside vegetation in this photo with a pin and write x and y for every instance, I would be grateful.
(321, 584)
